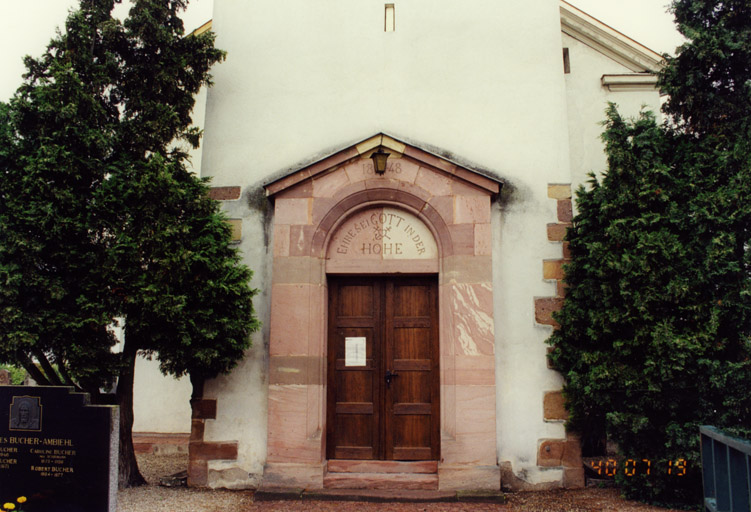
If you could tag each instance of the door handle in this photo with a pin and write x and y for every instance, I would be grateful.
(390, 376)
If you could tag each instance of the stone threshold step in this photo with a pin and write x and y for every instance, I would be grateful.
(381, 481)
(380, 496)
(381, 466)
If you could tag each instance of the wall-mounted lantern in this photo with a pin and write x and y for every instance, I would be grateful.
(379, 160)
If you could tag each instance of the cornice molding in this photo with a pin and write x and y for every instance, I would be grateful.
(630, 82)
(608, 41)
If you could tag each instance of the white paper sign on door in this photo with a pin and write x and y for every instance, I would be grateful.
(354, 351)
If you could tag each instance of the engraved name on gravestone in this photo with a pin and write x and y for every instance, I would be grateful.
(57, 450)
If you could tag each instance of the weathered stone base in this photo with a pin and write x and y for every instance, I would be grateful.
(279, 475)
(201, 453)
(455, 477)
(565, 454)
(511, 482)
(571, 478)
(224, 476)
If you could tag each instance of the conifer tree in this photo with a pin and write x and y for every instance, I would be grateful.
(101, 219)
(55, 138)
(709, 81)
(655, 334)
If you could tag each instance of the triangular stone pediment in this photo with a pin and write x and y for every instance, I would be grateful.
(398, 151)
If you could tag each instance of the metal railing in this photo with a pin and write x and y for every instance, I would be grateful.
(726, 471)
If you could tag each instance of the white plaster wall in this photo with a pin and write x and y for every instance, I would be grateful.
(478, 78)
(522, 369)
(522, 372)
(482, 79)
(160, 403)
(242, 404)
(587, 100)
(199, 119)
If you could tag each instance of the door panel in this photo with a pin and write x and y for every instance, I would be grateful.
(369, 418)
(354, 391)
(411, 413)
(356, 301)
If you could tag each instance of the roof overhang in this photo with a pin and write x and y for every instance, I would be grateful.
(397, 149)
(608, 41)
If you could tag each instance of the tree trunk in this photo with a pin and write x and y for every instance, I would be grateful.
(197, 382)
(52, 375)
(32, 369)
(68, 380)
(128, 473)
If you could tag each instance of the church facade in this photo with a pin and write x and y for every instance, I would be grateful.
(405, 308)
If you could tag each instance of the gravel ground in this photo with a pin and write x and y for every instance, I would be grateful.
(154, 498)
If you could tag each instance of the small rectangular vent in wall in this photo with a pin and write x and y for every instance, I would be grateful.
(389, 19)
(566, 62)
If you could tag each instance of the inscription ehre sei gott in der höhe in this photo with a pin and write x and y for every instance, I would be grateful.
(387, 234)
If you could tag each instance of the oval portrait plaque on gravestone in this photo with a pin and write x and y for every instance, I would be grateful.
(57, 451)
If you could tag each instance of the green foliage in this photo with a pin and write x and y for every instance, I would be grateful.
(655, 334)
(100, 219)
(17, 375)
(709, 82)
(184, 292)
(53, 143)
(100, 216)
(654, 337)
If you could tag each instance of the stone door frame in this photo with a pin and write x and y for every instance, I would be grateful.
(309, 205)
(371, 427)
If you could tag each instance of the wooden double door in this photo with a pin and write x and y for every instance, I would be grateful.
(383, 381)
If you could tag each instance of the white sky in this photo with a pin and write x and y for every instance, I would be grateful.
(646, 21)
(27, 26)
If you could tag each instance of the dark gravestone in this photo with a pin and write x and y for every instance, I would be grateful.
(57, 450)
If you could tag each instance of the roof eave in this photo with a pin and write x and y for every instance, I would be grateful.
(364, 148)
(608, 41)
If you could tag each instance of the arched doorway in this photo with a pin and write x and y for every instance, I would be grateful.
(383, 386)
(419, 271)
